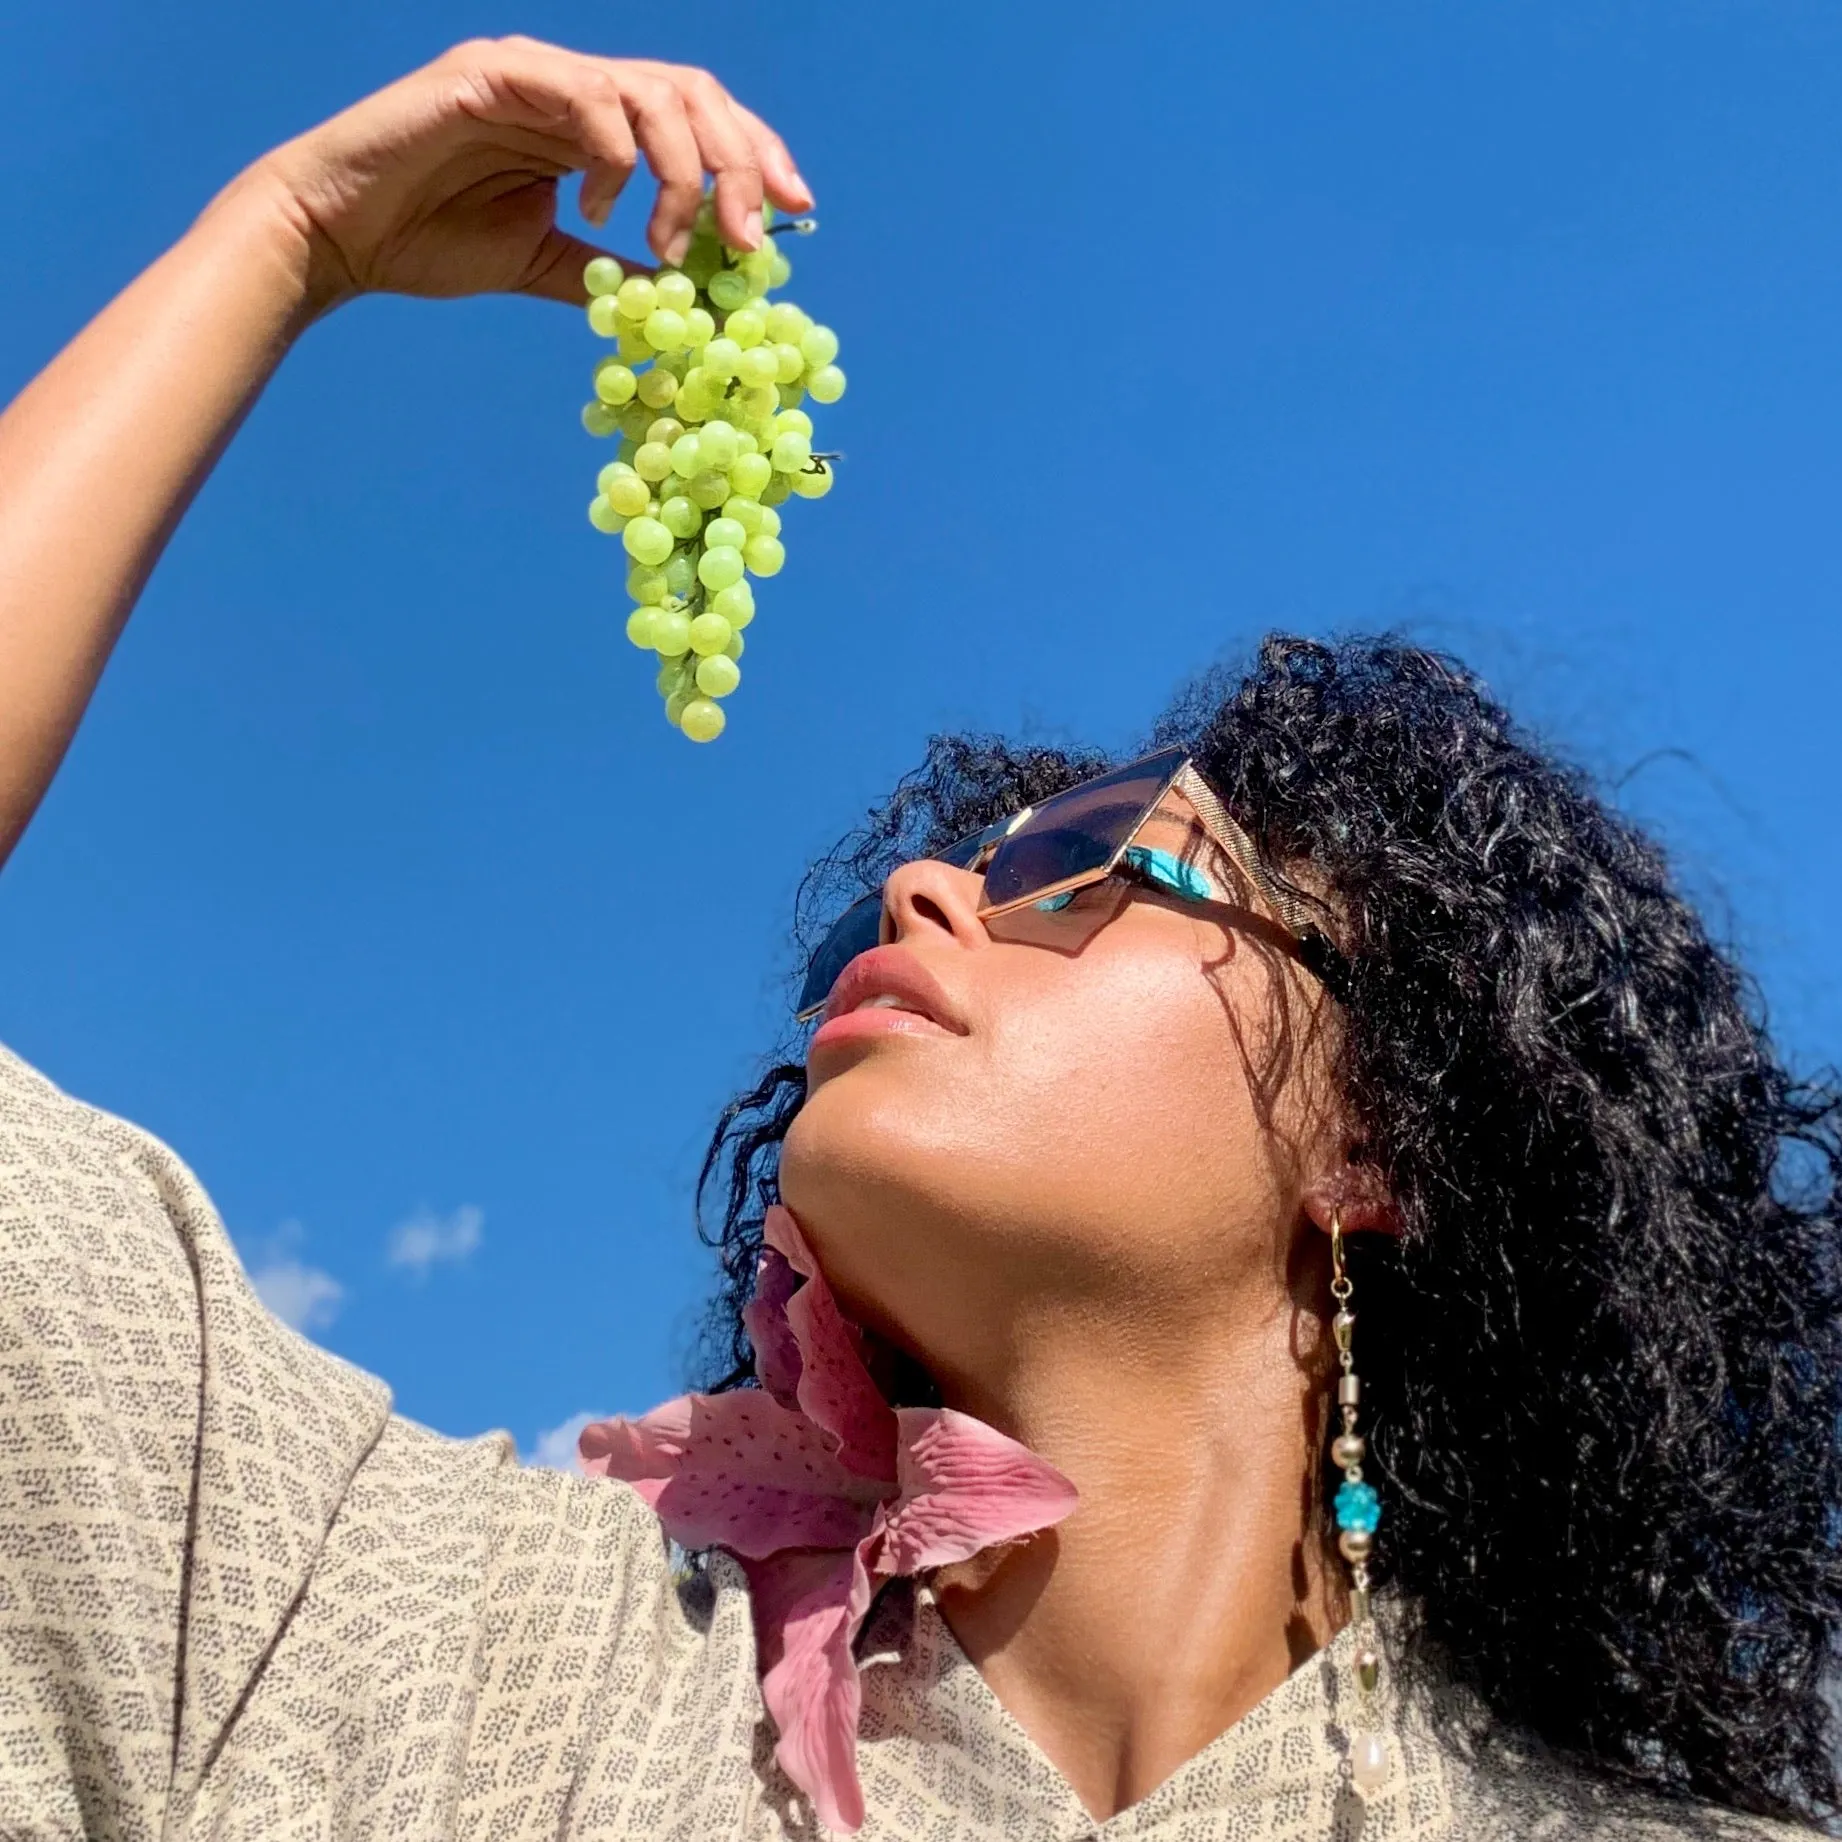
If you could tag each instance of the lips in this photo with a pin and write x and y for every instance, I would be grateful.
(896, 978)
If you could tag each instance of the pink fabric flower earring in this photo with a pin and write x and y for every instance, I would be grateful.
(822, 1491)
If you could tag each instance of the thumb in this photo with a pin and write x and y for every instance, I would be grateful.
(555, 273)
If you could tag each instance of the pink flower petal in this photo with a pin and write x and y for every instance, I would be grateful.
(808, 1608)
(835, 1389)
(736, 1469)
(777, 1357)
(965, 1486)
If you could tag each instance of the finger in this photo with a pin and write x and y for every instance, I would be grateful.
(663, 130)
(728, 155)
(781, 177)
(555, 273)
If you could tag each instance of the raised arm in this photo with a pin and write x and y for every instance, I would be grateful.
(444, 184)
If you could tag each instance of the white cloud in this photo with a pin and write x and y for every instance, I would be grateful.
(556, 1449)
(298, 1294)
(428, 1239)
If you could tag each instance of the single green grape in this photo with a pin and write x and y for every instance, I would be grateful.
(780, 269)
(736, 647)
(680, 573)
(657, 388)
(720, 566)
(664, 429)
(724, 531)
(717, 673)
(637, 297)
(675, 292)
(776, 490)
(716, 444)
(760, 365)
(757, 269)
(626, 449)
(709, 488)
(701, 720)
(599, 418)
(811, 482)
(709, 633)
(745, 512)
(763, 554)
(602, 276)
(614, 383)
(699, 328)
(665, 330)
(671, 632)
(748, 473)
(604, 517)
(695, 400)
(641, 624)
(647, 540)
(792, 364)
(736, 604)
(747, 441)
(653, 460)
(604, 316)
(826, 384)
(770, 519)
(793, 422)
(636, 419)
(727, 290)
(646, 584)
(631, 348)
(746, 327)
(687, 454)
(628, 494)
(614, 470)
(819, 346)
(786, 324)
(680, 517)
(759, 403)
(791, 452)
(678, 703)
(791, 395)
(721, 356)
(674, 675)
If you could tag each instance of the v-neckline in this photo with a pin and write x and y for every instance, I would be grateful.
(1293, 1742)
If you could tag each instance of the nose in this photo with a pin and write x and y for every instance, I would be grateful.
(928, 899)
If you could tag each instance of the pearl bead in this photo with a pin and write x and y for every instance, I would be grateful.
(1369, 1761)
(1357, 1544)
(1347, 1449)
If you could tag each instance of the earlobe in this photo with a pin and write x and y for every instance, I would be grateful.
(1357, 1194)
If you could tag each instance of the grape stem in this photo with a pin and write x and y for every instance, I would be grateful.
(799, 226)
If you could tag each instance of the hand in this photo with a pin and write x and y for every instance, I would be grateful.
(444, 184)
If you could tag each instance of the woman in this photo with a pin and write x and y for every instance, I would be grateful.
(1340, 1085)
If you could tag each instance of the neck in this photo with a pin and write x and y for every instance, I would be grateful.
(1187, 1585)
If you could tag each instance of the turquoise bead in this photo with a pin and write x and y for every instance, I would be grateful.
(1358, 1507)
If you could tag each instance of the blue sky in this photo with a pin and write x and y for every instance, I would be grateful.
(377, 886)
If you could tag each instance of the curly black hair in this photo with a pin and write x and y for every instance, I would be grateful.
(1606, 1352)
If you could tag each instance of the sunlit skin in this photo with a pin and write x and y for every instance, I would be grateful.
(1094, 1207)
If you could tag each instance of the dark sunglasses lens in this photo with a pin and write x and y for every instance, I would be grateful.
(855, 931)
(1077, 832)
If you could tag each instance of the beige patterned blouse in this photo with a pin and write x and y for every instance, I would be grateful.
(238, 1598)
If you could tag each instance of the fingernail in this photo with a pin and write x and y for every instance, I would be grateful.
(751, 228)
(805, 191)
(675, 249)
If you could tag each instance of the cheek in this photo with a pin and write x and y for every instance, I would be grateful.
(1099, 1113)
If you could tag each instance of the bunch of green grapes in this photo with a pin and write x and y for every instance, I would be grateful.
(705, 388)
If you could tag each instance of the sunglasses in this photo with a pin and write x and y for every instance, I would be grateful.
(1074, 839)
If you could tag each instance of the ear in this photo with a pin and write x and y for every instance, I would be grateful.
(1356, 1194)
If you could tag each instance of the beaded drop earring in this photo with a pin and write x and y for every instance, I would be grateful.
(1358, 1510)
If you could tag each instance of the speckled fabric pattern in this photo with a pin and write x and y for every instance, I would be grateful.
(240, 1599)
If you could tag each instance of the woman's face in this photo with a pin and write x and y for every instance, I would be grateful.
(1117, 1106)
